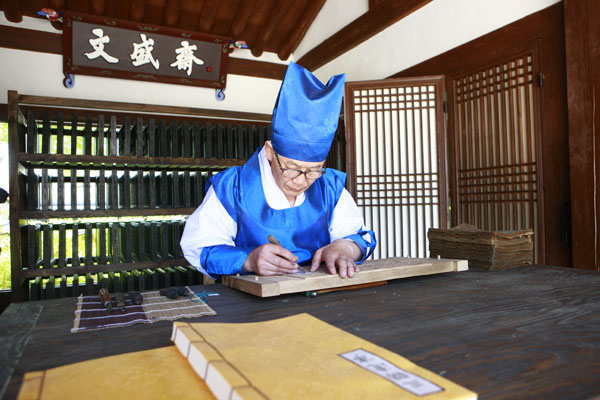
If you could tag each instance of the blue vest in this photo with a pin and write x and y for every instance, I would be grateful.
(302, 229)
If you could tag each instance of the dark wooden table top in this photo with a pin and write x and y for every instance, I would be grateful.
(522, 333)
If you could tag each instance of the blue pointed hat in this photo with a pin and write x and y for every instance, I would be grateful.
(306, 114)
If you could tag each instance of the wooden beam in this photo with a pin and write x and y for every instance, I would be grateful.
(238, 25)
(258, 69)
(277, 11)
(374, 3)
(97, 7)
(207, 16)
(46, 42)
(29, 39)
(12, 10)
(140, 108)
(82, 270)
(137, 10)
(3, 112)
(60, 4)
(18, 284)
(582, 40)
(189, 15)
(366, 26)
(310, 12)
(171, 13)
(155, 10)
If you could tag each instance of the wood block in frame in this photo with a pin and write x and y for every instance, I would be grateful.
(370, 271)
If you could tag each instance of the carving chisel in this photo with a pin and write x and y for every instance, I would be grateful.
(274, 241)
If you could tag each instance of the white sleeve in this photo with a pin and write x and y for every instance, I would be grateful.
(347, 218)
(209, 225)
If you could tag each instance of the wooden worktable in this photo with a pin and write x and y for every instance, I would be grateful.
(531, 332)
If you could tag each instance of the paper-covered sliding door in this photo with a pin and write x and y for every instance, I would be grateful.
(396, 160)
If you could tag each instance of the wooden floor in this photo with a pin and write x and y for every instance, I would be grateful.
(523, 333)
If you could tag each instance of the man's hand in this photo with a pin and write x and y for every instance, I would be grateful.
(270, 259)
(338, 256)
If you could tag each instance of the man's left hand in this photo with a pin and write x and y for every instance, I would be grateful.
(338, 257)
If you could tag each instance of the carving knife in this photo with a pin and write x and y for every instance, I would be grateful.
(273, 240)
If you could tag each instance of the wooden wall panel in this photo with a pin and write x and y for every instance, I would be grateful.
(546, 30)
(582, 37)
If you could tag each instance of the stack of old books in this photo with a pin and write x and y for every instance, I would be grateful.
(483, 249)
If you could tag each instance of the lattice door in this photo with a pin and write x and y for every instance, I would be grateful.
(396, 157)
(496, 143)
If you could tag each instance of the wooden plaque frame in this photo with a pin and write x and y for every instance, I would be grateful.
(119, 37)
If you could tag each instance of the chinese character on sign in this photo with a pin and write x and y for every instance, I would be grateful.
(186, 58)
(142, 52)
(98, 45)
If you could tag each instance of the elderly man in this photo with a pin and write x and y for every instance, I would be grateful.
(284, 191)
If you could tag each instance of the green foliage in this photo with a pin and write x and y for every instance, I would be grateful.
(4, 237)
(5, 262)
(3, 133)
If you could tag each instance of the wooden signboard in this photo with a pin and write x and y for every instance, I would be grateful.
(370, 271)
(123, 49)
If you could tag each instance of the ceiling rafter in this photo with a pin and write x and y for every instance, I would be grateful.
(85, 6)
(279, 8)
(137, 10)
(207, 16)
(240, 20)
(113, 8)
(276, 26)
(12, 10)
(155, 11)
(171, 13)
(189, 14)
(96, 7)
(59, 5)
(310, 12)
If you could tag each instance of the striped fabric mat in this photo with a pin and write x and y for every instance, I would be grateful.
(91, 315)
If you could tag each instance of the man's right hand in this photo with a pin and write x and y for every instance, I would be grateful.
(270, 259)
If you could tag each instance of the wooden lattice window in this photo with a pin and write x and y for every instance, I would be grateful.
(100, 191)
(496, 143)
(396, 160)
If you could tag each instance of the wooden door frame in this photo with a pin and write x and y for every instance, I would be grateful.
(546, 26)
(440, 83)
(532, 48)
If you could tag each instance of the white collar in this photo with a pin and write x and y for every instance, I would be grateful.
(275, 197)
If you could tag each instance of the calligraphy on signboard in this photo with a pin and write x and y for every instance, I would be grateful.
(124, 49)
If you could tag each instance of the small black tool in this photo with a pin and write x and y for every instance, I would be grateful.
(173, 292)
(136, 298)
(170, 293)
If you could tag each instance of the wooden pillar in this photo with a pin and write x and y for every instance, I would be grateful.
(582, 38)
(15, 143)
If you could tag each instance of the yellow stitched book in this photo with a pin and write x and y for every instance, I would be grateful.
(302, 357)
(151, 374)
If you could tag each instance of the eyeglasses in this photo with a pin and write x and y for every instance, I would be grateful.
(294, 173)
